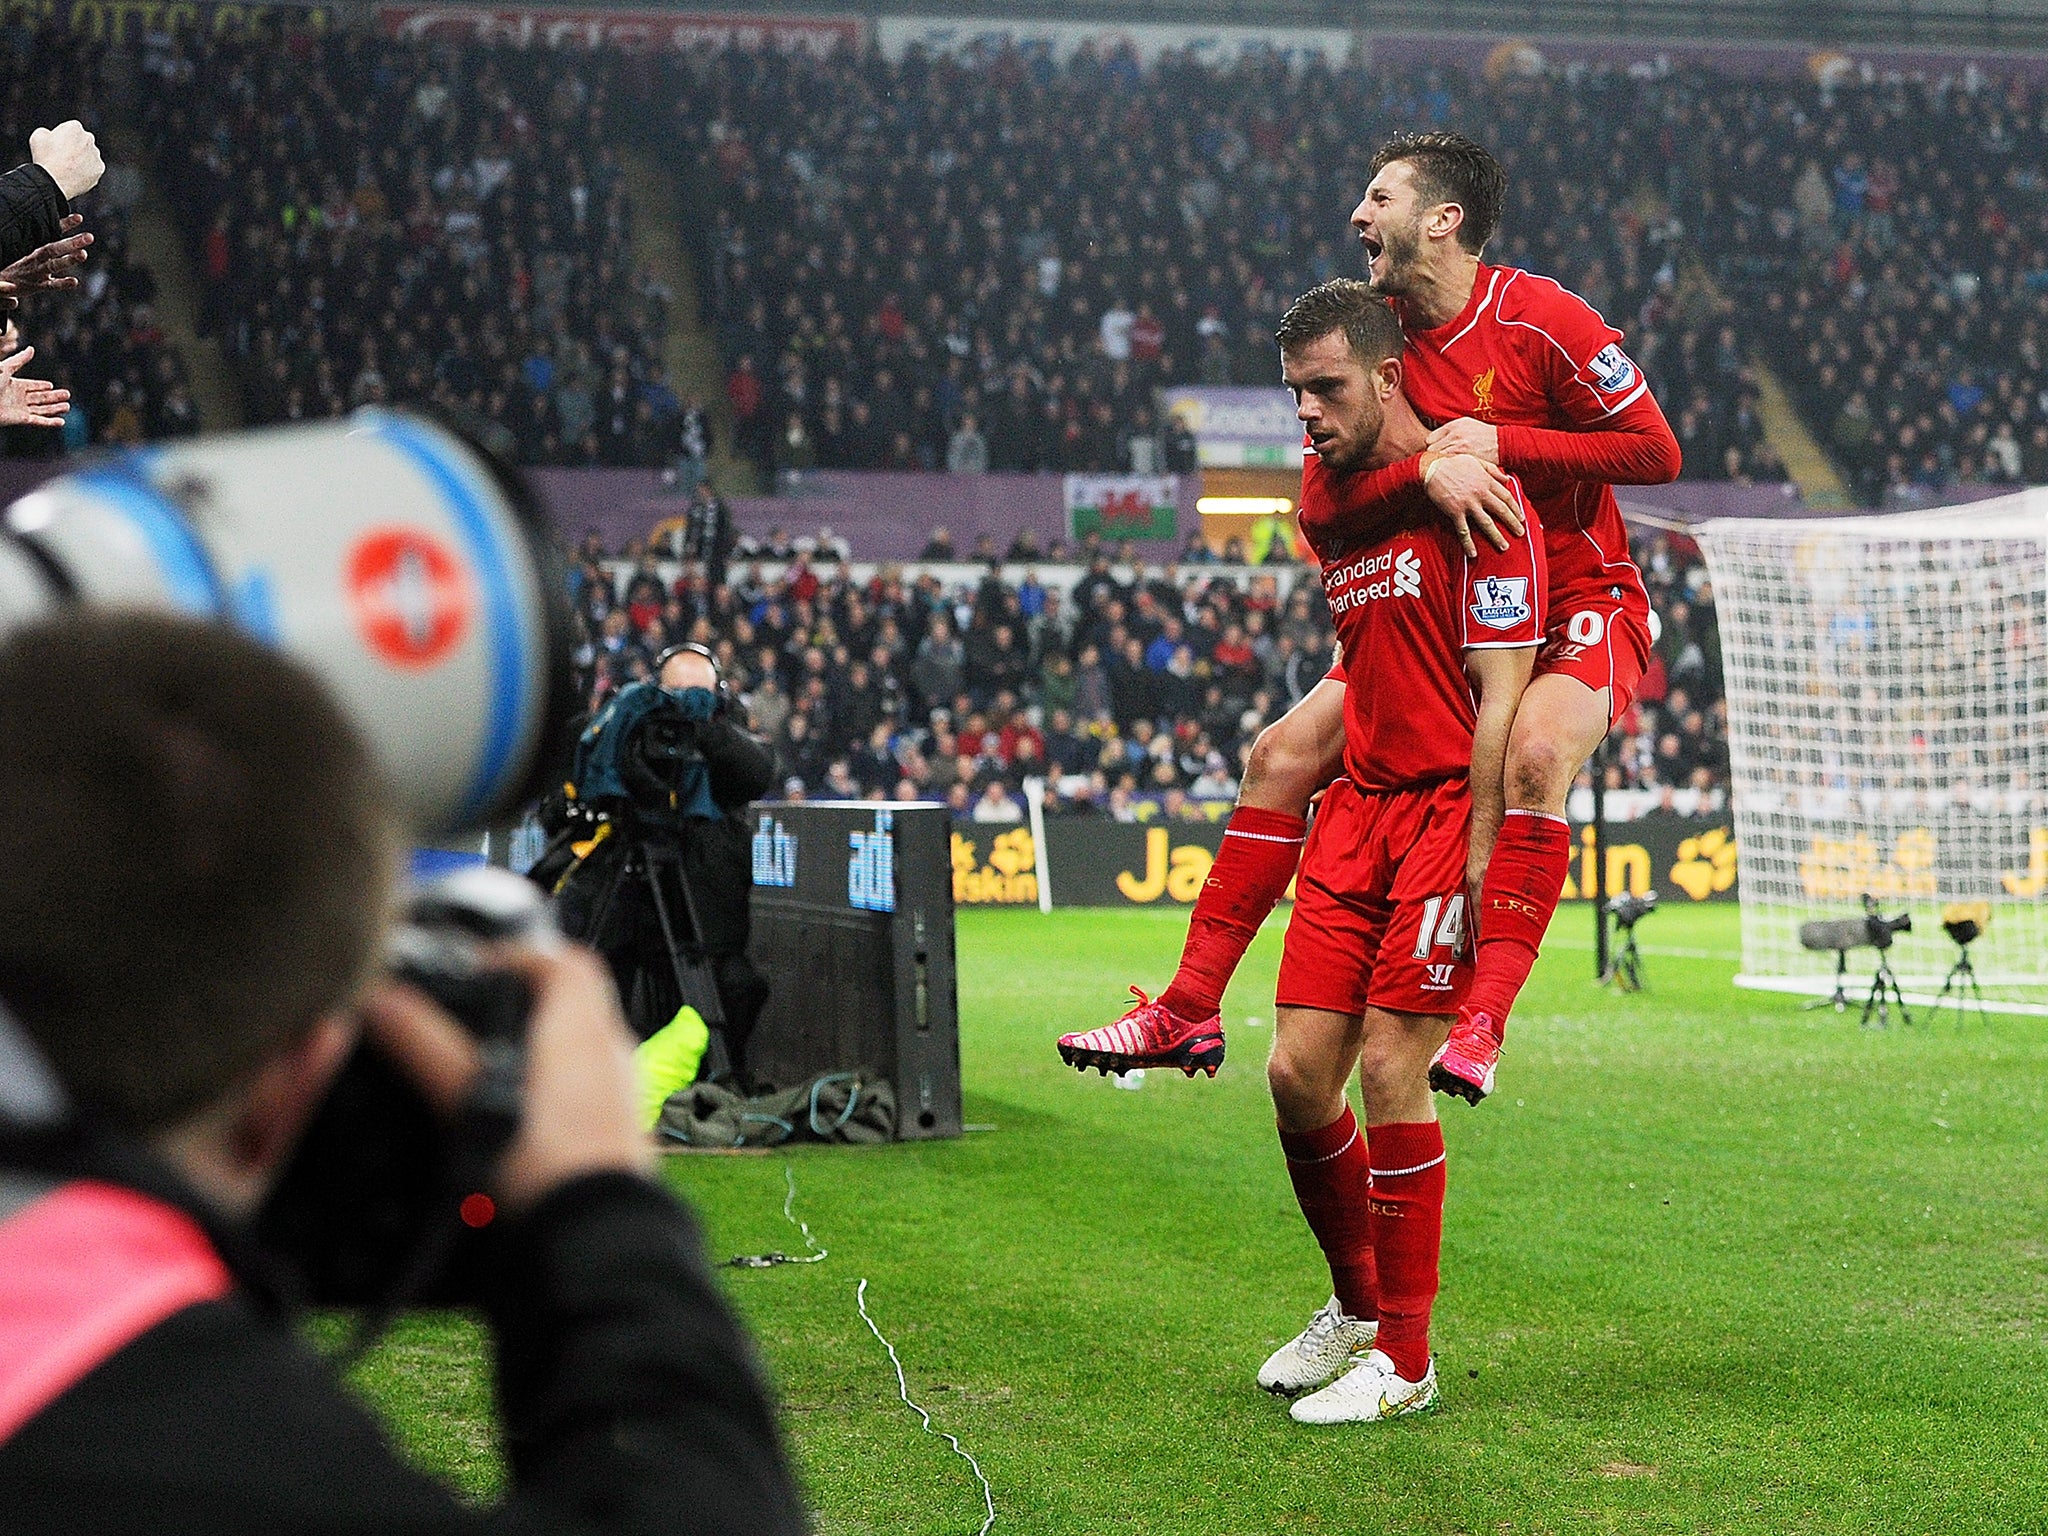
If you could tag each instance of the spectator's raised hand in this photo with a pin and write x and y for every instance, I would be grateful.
(70, 154)
(48, 267)
(30, 402)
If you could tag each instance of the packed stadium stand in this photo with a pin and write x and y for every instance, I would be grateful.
(931, 264)
(1889, 244)
(915, 261)
(103, 341)
(383, 221)
(1136, 690)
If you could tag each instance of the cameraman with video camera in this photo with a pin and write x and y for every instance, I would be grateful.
(200, 869)
(652, 861)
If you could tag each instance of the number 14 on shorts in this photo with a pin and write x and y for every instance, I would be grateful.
(1443, 926)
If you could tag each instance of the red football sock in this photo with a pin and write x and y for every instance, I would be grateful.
(1523, 882)
(1407, 1208)
(1332, 1178)
(1259, 853)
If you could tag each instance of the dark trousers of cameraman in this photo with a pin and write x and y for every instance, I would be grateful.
(715, 859)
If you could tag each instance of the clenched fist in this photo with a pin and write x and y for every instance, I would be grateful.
(70, 154)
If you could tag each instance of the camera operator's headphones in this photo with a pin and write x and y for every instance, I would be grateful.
(722, 690)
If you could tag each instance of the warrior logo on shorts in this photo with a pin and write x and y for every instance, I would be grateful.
(1501, 602)
(1611, 369)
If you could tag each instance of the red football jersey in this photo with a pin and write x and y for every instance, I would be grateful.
(1526, 352)
(1406, 610)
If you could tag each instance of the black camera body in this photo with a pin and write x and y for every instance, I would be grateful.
(1627, 911)
(1881, 929)
(382, 1201)
(661, 749)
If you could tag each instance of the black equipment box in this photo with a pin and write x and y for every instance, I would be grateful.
(853, 926)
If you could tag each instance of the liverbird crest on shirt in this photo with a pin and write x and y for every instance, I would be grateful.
(1482, 395)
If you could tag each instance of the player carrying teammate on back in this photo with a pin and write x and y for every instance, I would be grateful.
(1437, 647)
(1524, 376)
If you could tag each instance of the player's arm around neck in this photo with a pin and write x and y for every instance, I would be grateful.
(1498, 676)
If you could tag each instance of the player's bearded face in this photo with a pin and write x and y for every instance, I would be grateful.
(1393, 267)
(1337, 401)
(1389, 224)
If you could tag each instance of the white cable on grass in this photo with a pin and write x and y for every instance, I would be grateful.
(804, 1227)
(988, 1494)
(766, 1260)
(770, 1260)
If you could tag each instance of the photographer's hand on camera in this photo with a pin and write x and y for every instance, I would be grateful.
(580, 1095)
(596, 1269)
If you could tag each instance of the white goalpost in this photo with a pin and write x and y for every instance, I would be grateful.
(1887, 683)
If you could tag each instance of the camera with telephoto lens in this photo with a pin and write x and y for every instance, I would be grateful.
(412, 572)
(1627, 911)
(661, 749)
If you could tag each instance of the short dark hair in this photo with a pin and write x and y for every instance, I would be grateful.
(198, 852)
(1450, 168)
(1348, 305)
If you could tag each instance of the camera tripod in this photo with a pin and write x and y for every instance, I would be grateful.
(648, 862)
(1839, 998)
(1627, 971)
(1884, 992)
(1962, 982)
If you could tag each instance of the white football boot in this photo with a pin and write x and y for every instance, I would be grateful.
(1369, 1391)
(1316, 1355)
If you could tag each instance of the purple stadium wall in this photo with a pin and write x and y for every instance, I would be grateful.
(889, 516)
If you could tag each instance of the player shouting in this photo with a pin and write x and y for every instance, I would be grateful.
(1525, 377)
(1437, 646)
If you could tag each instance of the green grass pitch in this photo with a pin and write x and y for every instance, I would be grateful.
(1711, 1264)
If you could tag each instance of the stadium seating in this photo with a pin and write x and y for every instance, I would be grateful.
(932, 264)
(896, 250)
(101, 342)
(385, 221)
(935, 265)
(1139, 691)
(1887, 242)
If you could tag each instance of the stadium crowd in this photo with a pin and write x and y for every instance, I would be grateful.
(1890, 243)
(938, 264)
(377, 220)
(933, 264)
(957, 265)
(1136, 691)
(102, 340)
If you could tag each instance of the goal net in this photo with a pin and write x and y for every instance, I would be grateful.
(1887, 683)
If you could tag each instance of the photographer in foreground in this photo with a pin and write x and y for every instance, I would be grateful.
(200, 861)
(664, 874)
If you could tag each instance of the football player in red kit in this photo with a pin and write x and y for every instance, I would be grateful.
(1437, 647)
(1524, 377)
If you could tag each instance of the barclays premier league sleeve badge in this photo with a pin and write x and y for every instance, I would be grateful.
(1611, 369)
(1501, 602)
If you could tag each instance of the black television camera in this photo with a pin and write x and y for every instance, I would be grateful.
(650, 865)
(412, 572)
(1627, 910)
(1873, 930)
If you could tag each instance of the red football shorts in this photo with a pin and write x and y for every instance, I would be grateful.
(1379, 905)
(1600, 639)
